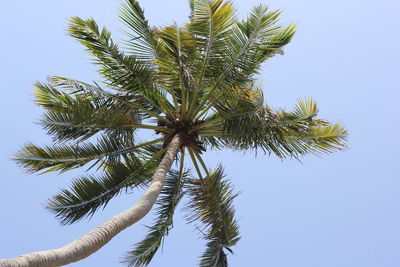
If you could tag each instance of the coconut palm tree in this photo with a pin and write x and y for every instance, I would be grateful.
(193, 88)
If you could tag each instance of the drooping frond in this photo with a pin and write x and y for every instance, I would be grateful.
(304, 133)
(88, 193)
(69, 156)
(319, 139)
(286, 134)
(170, 196)
(210, 202)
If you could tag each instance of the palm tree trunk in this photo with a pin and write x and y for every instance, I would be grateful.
(91, 242)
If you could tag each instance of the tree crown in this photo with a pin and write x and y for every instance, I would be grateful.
(197, 79)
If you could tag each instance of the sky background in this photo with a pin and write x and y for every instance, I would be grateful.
(341, 209)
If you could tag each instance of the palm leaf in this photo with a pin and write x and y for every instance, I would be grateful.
(286, 134)
(248, 44)
(65, 157)
(88, 193)
(123, 72)
(81, 88)
(210, 202)
(127, 73)
(137, 105)
(142, 41)
(169, 198)
(210, 22)
(305, 108)
(319, 139)
(78, 116)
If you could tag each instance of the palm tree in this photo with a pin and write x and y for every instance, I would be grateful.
(194, 89)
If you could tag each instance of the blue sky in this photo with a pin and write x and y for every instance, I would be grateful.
(338, 210)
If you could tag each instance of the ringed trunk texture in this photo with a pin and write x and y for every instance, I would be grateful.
(91, 242)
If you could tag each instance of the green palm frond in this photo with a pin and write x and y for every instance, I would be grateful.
(305, 109)
(76, 87)
(69, 156)
(249, 41)
(304, 133)
(212, 140)
(176, 50)
(254, 131)
(96, 93)
(77, 116)
(210, 24)
(262, 35)
(83, 120)
(286, 134)
(237, 102)
(318, 139)
(170, 196)
(88, 193)
(124, 72)
(142, 108)
(47, 96)
(248, 45)
(210, 202)
(142, 41)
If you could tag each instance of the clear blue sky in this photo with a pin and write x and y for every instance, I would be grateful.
(339, 210)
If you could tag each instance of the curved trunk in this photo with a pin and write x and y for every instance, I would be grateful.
(89, 243)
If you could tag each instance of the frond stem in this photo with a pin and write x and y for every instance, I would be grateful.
(196, 166)
(197, 154)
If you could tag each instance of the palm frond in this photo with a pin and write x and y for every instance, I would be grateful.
(80, 88)
(88, 193)
(124, 72)
(170, 196)
(96, 93)
(261, 37)
(246, 40)
(305, 109)
(65, 157)
(286, 134)
(234, 107)
(236, 102)
(77, 115)
(319, 139)
(176, 50)
(142, 40)
(191, 5)
(140, 106)
(271, 37)
(249, 44)
(210, 22)
(210, 202)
